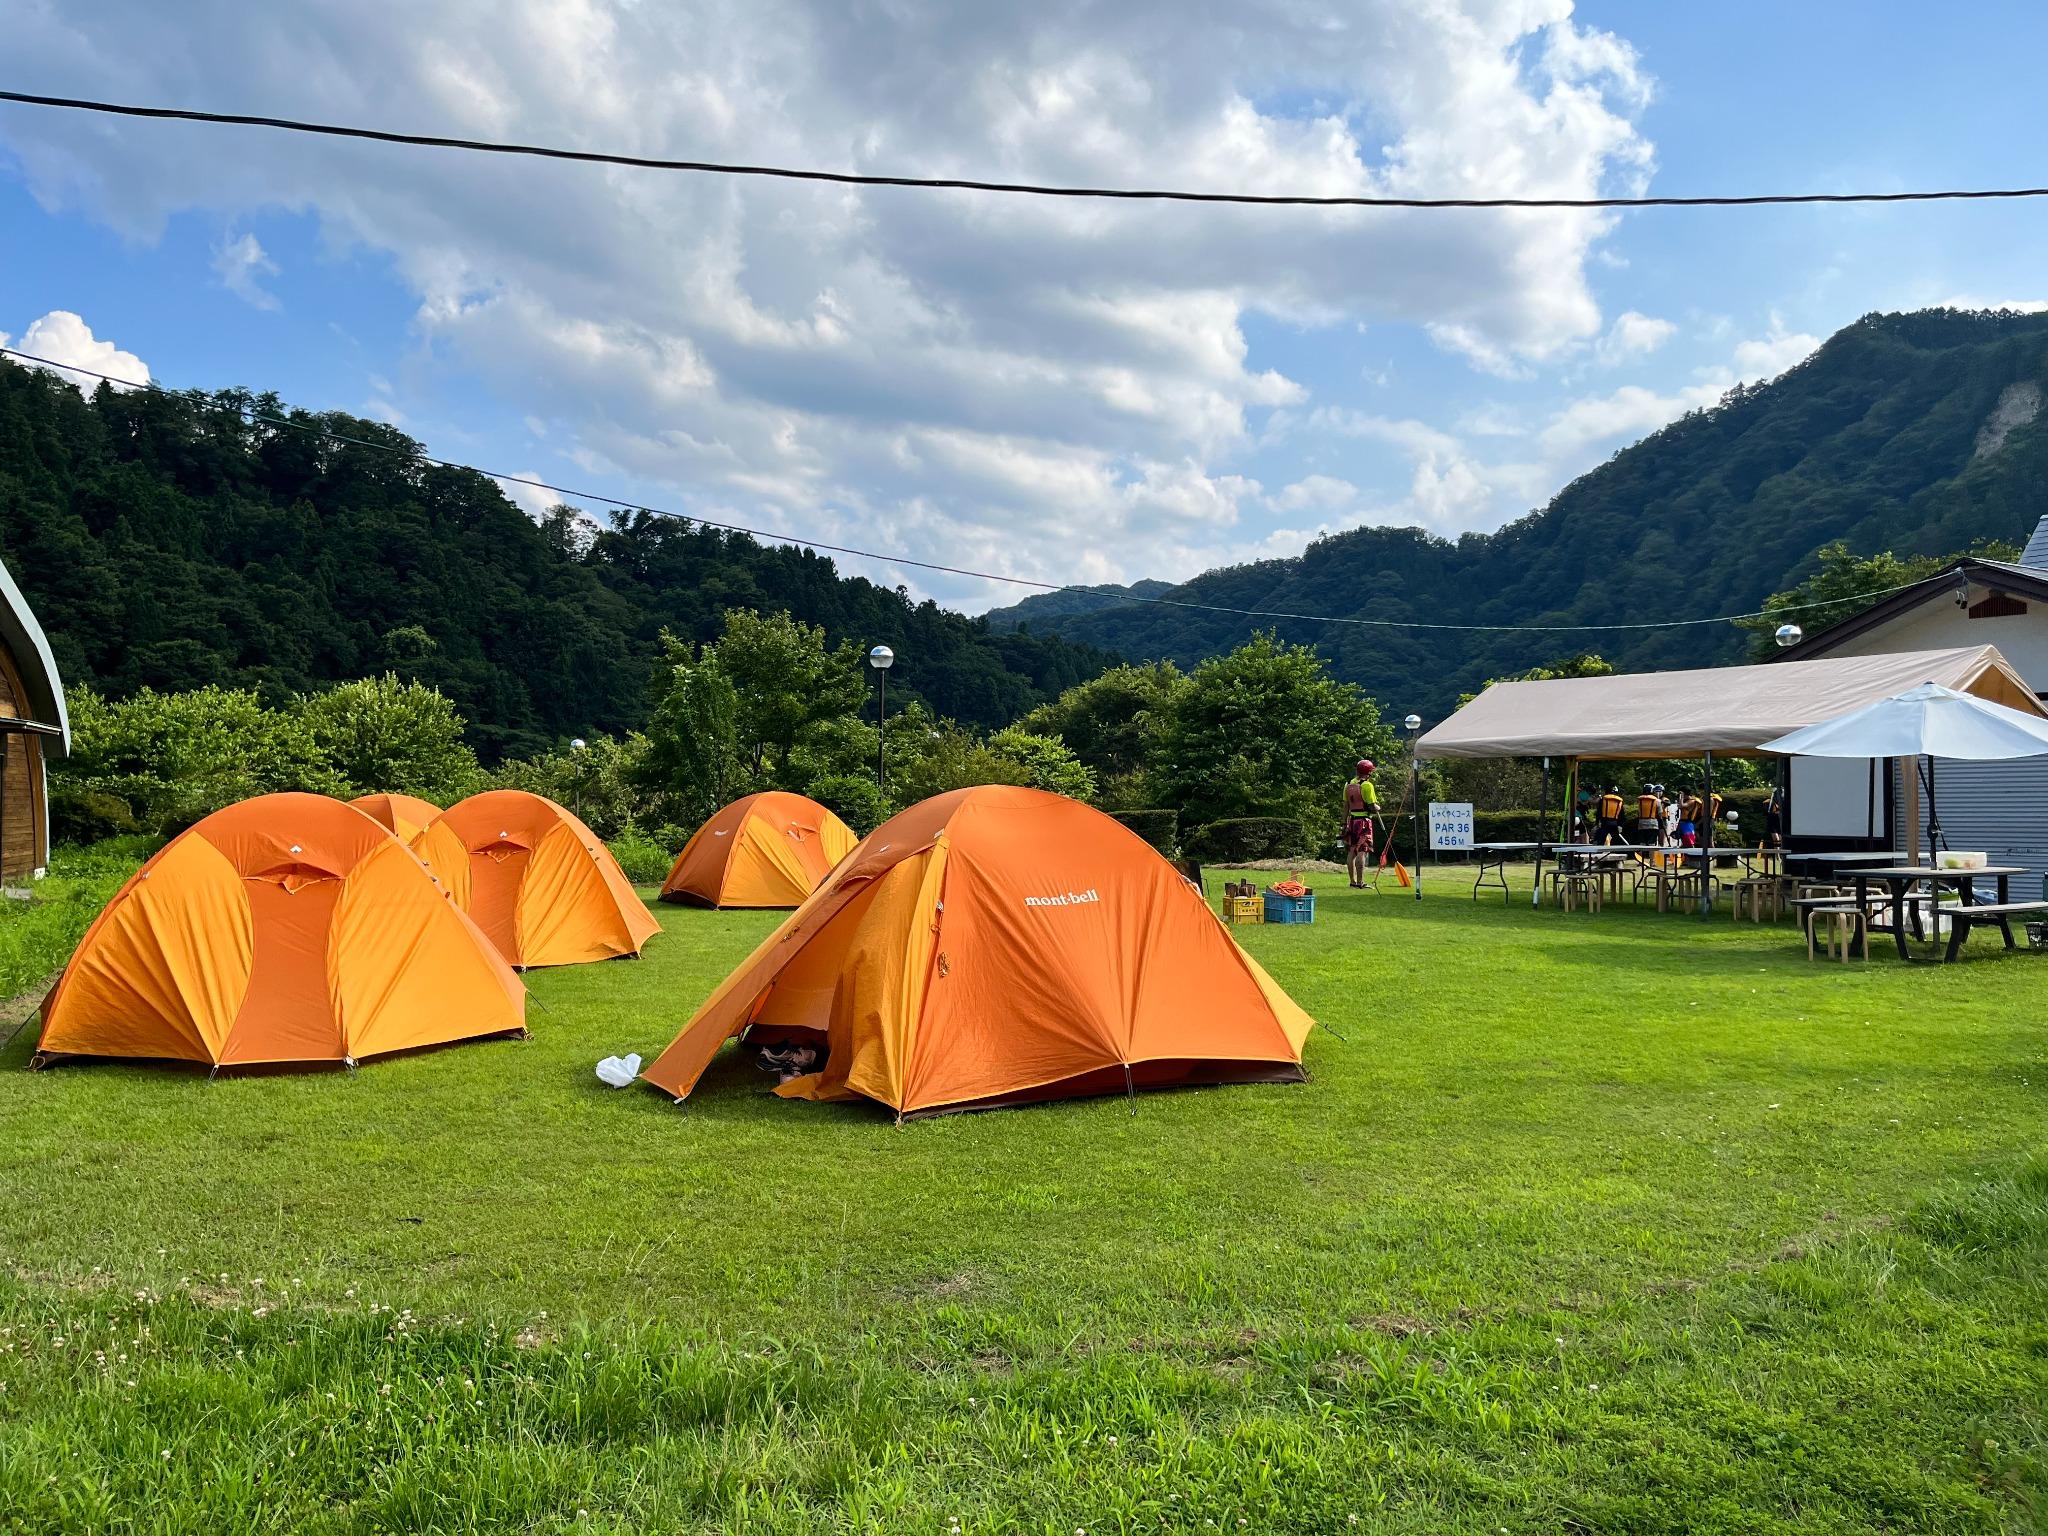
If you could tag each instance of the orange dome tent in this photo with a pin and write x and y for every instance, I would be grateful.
(995, 946)
(540, 884)
(285, 929)
(768, 850)
(404, 816)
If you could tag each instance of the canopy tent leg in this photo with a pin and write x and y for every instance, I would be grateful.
(1415, 811)
(1542, 834)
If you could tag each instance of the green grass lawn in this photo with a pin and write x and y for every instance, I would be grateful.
(1617, 1223)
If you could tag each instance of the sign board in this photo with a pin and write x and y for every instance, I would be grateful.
(1450, 825)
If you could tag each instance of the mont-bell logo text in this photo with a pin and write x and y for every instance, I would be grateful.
(1065, 899)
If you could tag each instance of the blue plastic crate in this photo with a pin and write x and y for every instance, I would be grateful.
(1290, 909)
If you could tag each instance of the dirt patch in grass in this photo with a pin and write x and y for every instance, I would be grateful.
(1395, 1325)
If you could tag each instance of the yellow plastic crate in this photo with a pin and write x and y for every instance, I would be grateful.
(1244, 909)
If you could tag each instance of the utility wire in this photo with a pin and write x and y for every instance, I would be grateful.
(966, 184)
(773, 537)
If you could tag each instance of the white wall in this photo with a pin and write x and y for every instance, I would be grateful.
(1940, 625)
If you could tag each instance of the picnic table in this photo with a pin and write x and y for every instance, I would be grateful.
(1494, 856)
(1897, 877)
(1829, 861)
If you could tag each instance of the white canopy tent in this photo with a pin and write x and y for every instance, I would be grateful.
(1725, 710)
(1699, 712)
(1928, 721)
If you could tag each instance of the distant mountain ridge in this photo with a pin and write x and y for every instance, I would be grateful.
(173, 540)
(1917, 432)
(1069, 602)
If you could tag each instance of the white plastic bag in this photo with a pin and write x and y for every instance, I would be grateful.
(616, 1073)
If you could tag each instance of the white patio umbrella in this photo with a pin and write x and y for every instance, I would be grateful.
(1927, 721)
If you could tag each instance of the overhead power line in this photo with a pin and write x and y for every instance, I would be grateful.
(774, 537)
(969, 184)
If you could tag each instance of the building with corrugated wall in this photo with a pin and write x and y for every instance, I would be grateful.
(2001, 808)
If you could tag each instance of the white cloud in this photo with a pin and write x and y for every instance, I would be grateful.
(1770, 355)
(241, 265)
(530, 499)
(1316, 493)
(1629, 412)
(63, 337)
(1633, 335)
(1037, 384)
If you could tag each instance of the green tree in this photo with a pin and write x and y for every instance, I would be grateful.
(949, 757)
(1848, 583)
(382, 735)
(175, 757)
(787, 683)
(1266, 731)
(603, 781)
(692, 765)
(1113, 722)
(1045, 761)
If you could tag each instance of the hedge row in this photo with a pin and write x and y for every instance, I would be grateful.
(1534, 826)
(1244, 838)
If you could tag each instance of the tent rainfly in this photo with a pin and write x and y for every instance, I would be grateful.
(287, 930)
(767, 850)
(995, 946)
(1724, 710)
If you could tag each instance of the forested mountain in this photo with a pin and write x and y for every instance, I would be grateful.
(1918, 433)
(170, 540)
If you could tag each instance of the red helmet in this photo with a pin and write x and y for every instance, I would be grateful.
(1365, 766)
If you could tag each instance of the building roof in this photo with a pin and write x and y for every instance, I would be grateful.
(2035, 555)
(24, 637)
(1720, 709)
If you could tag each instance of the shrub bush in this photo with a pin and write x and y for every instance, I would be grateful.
(1529, 826)
(1159, 828)
(852, 797)
(1509, 827)
(1749, 803)
(645, 861)
(1241, 838)
(80, 816)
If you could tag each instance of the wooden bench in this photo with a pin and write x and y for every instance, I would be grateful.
(1962, 918)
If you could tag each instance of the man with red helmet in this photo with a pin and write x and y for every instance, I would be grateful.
(1361, 803)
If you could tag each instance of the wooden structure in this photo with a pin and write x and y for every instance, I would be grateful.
(33, 725)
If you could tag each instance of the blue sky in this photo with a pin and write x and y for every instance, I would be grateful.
(1044, 391)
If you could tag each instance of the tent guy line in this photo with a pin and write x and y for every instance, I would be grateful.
(1011, 188)
(820, 545)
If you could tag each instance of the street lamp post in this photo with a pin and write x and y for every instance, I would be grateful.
(1414, 727)
(881, 658)
(576, 746)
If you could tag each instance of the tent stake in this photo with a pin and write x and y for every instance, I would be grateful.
(1131, 1090)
